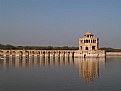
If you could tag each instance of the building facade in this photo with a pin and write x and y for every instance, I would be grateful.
(88, 42)
(89, 46)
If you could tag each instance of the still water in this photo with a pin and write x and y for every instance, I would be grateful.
(60, 74)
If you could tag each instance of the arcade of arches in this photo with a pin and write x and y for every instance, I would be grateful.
(44, 53)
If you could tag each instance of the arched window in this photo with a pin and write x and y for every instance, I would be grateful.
(81, 47)
(86, 41)
(89, 41)
(93, 41)
(86, 48)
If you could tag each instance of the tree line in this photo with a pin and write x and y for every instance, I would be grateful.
(11, 47)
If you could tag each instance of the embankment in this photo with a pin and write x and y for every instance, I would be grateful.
(113, 53)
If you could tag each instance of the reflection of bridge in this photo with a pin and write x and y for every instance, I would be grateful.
(44, 53)
(32, 61)
(89, 68)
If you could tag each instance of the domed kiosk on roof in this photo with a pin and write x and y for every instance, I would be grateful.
(88, 34)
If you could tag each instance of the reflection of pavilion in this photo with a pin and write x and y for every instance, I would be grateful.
(89, 68)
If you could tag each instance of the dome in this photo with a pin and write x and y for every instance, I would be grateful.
(88, 33)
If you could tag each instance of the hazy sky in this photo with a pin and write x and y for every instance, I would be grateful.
(59, 22)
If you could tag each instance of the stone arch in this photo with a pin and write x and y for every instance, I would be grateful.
(32, 53)
(68, 54)
(13, 53)
(54, 54)
(48, 53)
(7, 53)
(64, 54)
(43, 53)
(20, 53)
(27, 53)
(1, 53)
(38, 53)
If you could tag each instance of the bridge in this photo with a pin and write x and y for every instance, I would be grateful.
(41, 53)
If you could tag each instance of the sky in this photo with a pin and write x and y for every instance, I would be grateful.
(59, 22)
